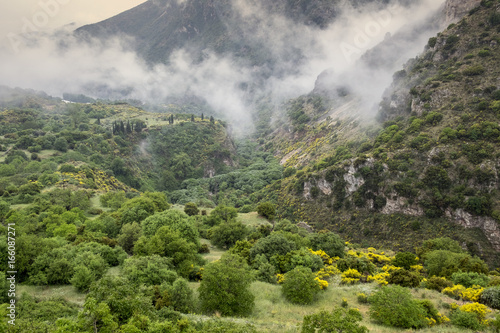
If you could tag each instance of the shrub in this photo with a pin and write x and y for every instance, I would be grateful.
(469, 279)
(466, 320)
(245, 209)
(404, 260)
(227, 234)
(267, 210)
(474, 70)
(491, 297)
(225, 287)
(300, 286)
(394, 306)
(339, 320)
(191, 209)
(404, 278)
(329, 242)
(437, 283)
(350, 276)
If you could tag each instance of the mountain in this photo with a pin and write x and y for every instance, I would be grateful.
(432, 165)
(158, 27)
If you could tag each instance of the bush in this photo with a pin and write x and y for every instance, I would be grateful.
(466, 320)
(329, 242)
(404, 278)
(491, 297)
(227, 234)
(394, 306)
(339, 320)
(300, 286)
(245, 209)
(469, 279)
(191, 209)
(225, 287)
(437, 283)
(404, 260)
(267, 209)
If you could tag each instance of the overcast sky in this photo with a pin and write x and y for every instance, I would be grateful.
(46, 15)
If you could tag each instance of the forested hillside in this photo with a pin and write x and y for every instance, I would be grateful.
(127, 217)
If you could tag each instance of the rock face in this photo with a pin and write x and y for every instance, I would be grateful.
(454, 10)
(488, 225)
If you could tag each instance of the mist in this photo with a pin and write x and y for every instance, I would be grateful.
(59, 63)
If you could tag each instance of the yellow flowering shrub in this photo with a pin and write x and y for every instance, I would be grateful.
(472, 294)
(380, 278)
(480, 310)
(322, 283)
(350, 276)
(390, 268)
(416, 268)
(280, 278)
(327, 272)
(327, 260)
(454, 292)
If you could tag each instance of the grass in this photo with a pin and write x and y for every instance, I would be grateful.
(215, 253)
(69, 293)
(252, 219)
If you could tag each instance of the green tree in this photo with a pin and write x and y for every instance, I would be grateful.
(223, 213)
(329, 242)
(300, 286)
(191, 209)
(82, 278)
(275, 243)
(404, 260)
(61, 144)
(338, 321)
(227, 234)
(267, 210)
(394, 306)
(175, 220)
(225, 287)
(129, 234)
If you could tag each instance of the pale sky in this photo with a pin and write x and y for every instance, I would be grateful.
(46, 15)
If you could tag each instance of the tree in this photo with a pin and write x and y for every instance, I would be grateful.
(300, 286)
(191, 209)
(175, 220)
(275, 243)
(212, 120)
(225, 287)
(394, 306)
(338, 321)
(404, 260)
(227, 234)
(192, 117)
(129, 234)
(267, 209)
(75, 113)
(329, 242)
(223, 213)
(61, 144)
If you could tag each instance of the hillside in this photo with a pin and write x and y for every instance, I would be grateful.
(433, 164)
(158, 27)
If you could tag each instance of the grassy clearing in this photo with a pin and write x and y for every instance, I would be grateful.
(252, 219)
(215, 253)
(69, 293)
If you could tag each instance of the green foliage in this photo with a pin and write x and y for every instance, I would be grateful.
(437, 283)
(445, 263)
(222, 213)
(362, 265)
(122, 298)
(300, 286)
(191, 209)
(491, 297)
(301, 257)
(329, 242)
(226, 234)
(267, 209)
(275, 243)
(466, 320)
(149, 270)
(469, 279)
(129, 234)
(175, 220)
(82, 278)
(339, 320)
(176, 295)
(404, 260)
(443, 243)
(394, 306)
(404, 278)
(224, 287)
(474, 70)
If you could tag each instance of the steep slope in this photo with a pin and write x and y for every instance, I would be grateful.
(158, 27)
(433, 168)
